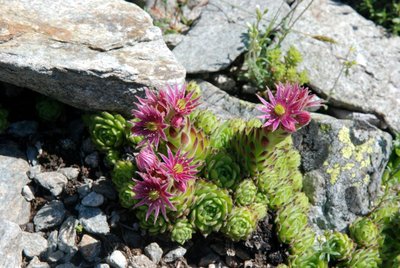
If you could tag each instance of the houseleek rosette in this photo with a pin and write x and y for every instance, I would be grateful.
(211, 207)
(108, 131)
(154, 227)
(222, 136)
(182, 231)
(3, 119)
(49, 109)
(245, 193)
(205, 120)
(122, 173)
(364, 232)
(364, 257)
(182, 201)
(240, 224)
(309, 259)
(303, 243)
(112, 156)
(291, 223)
(340, 245)
(222, 169)
(126, 195)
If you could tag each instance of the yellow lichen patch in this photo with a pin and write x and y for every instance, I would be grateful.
(366, 179)
(334, 172)
(348, 166)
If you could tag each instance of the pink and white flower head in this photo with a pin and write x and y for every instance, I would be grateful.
(153, 192)
(152, 99)
(180, 168)
(150, 125)
(146, 159)
(180, 103)
(287, 107)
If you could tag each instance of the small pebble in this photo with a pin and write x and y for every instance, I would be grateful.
(27, 193)
(53, 181)
(55, 256)
(36, 263)
(66, 265)
(93, 220)
(93, 199)
(84, 189)
(102, 265)
(71, 173)
(105, 187)
(92, 160)
(117, 259)
(209, 259)
(141, 261)
(154, 252)
(89, 248)
(67, 235)
(52, 241)
(33, 244)
(33, 171)
(50, 215)
(175, 254)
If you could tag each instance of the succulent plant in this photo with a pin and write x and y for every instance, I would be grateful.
(182, 231)
(338, 245)
(259, 210)
(222, 169)
(291, 223)
(182, 201)
(192, 86)
(222, 136)
(261, 198)
(310, 259)
(245, 192)
(304, 243)
(152, 225)
(211, 207)
(300, 200)
(205, 120)
(282, 196)
(108, 131)
(126, 195)
(3, 119)
(112, 156)
(364, 257)
(49, 109)
(240, 224)
(122, 172)
(364, 232)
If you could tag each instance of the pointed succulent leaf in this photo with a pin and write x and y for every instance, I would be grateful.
(126, 195)
(222, 169)
(211, 207)
(304, 243)
(122, 172)
(364, 257)
(240, 224)
(112, 156)
(182, 201)
(291, 223)
(245, 192)
(259, 210)
(364, 232)
(222, 136)
(205, 120)
(340, 245)
(310, 259)
(192, 86)
(154, 227)
(182, 231)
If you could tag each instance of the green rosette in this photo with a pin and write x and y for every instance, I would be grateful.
(222, 136)
(222, 169)
(291, 223)
(182, 231)
(192, 86)
(245, 192)
(259, 210)
(310, 259)
(182, 201)
(112, 156)
(3, 120)
(205, 120)
(364, 257)
(153, 227)
(340, 245)
(211, 207)
(126, 195)
(122, 172)
(240, 224)
(108, 131)
(304, 243)
(49, 109)
(364, 232)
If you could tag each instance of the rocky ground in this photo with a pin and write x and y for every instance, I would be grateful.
(58, 207)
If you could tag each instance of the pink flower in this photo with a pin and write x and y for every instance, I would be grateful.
(153, 192)
(150, 125)
(180, 103)
(153, 100)
(146, 159)
(287, 107)
(179, 167)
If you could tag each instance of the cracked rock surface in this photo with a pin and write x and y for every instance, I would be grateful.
(78, 52)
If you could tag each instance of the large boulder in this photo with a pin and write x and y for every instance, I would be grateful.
(219, 36)
(343, 161)
(13, 169)
(90, 54)
(10, 244)
(330, 35)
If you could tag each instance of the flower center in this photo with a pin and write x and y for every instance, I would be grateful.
(151, 126)
(279, 109)
(154, 195)
(178, 168)
(181, 104)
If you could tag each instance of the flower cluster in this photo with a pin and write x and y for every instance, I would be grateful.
(287, 107)
(168, 108)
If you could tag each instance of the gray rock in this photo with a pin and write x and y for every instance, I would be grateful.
(84, 189)
(13, 169)
(105, 187)
(343, 162)
(93, 220)
(98, 62)
(209, 259)
(175, 254)
(92, 160)
(224, 82)
(10, 244)
(223, 105)
(55, 256)
(50, 215)
(67, 236)
(52, 241)
(370, 118)
(53, 181)
(173, 39)
(117, 260)
(27, 193)
(141, 261)
(373, 84)
(90, 248)
(66, 265)
(71, 173)
(93, 200)
(33, 244)
(22, 129)
(102, 265)
(36, 263)
(33, 171)
(154, 252)
(217, 39)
